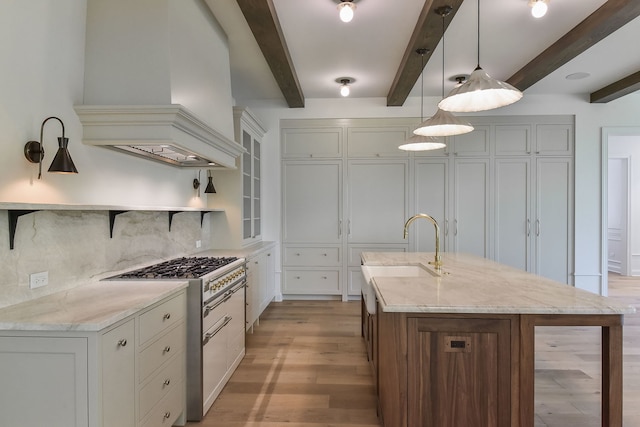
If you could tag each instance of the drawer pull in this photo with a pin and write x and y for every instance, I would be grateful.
(297, 277)
(167, 415)
(324, 277)
(297, 254)
(324, 254)
(166, 316)
(166, 382)
(122, 343)
(167, 349)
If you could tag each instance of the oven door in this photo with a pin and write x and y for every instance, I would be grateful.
(214, 360)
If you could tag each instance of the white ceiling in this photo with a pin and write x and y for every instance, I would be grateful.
(371, 47)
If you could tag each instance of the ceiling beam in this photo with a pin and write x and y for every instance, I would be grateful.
(618, 89)
(426, 35)
(263, 21)
(610, 17)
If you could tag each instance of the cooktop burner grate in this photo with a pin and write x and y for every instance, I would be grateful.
(178, 268)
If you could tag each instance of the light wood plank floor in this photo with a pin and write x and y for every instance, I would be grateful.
(306, 366)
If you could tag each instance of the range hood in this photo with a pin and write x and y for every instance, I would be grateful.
(169, 134)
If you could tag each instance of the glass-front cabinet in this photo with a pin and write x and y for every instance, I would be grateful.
(251, 133)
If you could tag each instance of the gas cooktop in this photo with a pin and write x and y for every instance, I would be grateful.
(178, 268)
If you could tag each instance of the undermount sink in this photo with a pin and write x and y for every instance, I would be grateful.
(372, 271)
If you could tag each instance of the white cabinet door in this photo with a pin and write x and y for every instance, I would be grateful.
(470, 233)
(431, 184)
(378, 200)
(118, 376)
(312, 202)
(44, 381)
(512, 221)
(553, 225)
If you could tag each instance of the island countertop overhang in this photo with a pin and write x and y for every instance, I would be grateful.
(470, 284)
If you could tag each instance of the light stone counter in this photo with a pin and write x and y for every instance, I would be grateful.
(90, 307)
(470, 284)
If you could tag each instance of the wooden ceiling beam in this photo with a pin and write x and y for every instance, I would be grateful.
(265, 26)
(617, 90)
(610, 17)
(426, 34)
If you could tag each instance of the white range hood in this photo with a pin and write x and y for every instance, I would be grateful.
(169, 134)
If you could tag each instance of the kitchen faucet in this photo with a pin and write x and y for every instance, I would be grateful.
(437, 263)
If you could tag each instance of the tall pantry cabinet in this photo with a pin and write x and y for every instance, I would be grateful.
(503, 191)
(345, 190)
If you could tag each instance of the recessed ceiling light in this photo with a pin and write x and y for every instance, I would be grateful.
(577, 76)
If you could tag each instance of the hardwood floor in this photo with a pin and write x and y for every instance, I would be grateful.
(306, 366)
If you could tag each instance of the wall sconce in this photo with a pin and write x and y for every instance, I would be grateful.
(345, 90)
(210, 188)
(62, 163)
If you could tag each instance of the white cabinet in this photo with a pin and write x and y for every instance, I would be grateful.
(260, 285)
(534, 199)
(240, 190)
(118, 376)
(108, 378)
(431, 183)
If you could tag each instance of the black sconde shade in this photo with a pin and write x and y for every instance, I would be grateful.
(62, 163)
(210, 188)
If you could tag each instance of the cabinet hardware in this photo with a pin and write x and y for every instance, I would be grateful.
(166, 382)
(528, 227)
(122, 343)
(167, 415)
(537, 227)
(455, 227)
(167, 349)
(166, 316)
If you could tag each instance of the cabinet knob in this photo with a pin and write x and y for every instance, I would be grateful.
(167, 349)
(324, 277)
(324, 254)
(166, 316)
(122, 343)
(297, 277)
(166, 382)
(167, 415)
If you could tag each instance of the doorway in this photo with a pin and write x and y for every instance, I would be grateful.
(620, 177)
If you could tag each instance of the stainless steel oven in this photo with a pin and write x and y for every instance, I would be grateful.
(215, 321)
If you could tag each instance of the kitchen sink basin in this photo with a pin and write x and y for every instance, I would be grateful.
(371, 271)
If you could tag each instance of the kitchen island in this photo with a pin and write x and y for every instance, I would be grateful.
(455, 346)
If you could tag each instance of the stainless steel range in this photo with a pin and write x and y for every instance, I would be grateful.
(215, 321)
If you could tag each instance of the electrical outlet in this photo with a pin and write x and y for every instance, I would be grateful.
(38, 280)
(198, 243)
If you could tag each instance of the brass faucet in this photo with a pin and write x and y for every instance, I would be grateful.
(437, 263)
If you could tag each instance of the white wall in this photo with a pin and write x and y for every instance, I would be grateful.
(590, 118)
(42, 58)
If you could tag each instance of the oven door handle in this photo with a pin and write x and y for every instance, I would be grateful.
(209, 308)
(208, 336)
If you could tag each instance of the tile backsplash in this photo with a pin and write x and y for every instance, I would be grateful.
(74, 247)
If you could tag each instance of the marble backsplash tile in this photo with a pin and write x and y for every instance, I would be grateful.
(75, 247)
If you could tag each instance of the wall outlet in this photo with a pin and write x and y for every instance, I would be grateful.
(198, 243)
(38, 280)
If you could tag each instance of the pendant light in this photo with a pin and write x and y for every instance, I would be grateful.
(346, 10)
(443, 123)
(480, 92)
(421, 142)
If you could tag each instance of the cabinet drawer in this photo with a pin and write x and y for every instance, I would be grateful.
(316, 257)
(161, 384)
(168, 409)
(234, 347)
(161, 351)
(162, 317)
(323, 282)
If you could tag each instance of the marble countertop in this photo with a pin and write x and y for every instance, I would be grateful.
(470, 284)
(90, 307)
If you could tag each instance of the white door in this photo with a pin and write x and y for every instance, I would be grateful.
(431, 184)
(512, 222)
(470, 226)
(617, 215)
(312, 202)
(378, 194)
(553, 226)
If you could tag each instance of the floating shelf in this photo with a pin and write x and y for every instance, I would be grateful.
(16, 210)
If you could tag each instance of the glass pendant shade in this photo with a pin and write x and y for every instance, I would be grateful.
(421, 143)
(62, 162)
(480, 92)
(443, 123)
